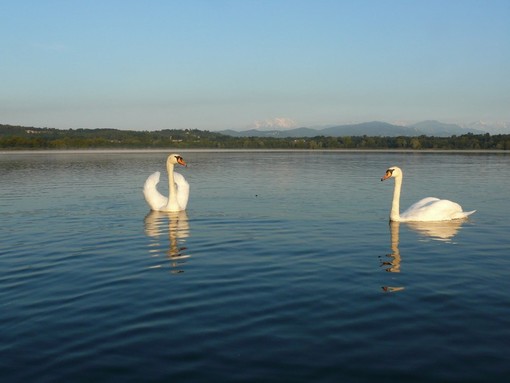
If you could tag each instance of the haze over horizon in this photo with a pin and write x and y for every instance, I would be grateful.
(215, 65)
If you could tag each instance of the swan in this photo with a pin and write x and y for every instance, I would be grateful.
(178, 188)
(427, 209)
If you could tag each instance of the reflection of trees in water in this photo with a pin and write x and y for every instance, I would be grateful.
(176, 226)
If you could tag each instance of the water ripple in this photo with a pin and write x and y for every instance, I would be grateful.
(278, 271)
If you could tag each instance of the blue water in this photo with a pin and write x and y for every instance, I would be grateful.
(283, 269)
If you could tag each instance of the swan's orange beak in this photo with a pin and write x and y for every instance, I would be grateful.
(181, 161)
(386, 176)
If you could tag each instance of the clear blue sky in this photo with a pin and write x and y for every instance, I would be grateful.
(217, 64)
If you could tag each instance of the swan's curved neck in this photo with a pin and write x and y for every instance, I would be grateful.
(394, 235)
(172, 193)
(395, 205)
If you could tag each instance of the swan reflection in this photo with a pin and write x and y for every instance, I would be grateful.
(392, 265)
(441, 231)
(175, 226)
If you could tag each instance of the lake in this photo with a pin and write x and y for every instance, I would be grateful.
(284, 268)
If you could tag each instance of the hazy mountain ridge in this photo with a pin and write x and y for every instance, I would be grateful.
(429, 128)
(373, 128)
(493, 127)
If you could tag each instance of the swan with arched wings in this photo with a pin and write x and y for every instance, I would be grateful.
(178, 188)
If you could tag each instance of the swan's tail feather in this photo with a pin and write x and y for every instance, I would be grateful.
(463, 214)
(154, 199)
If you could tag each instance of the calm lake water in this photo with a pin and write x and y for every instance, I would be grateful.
(283, 269)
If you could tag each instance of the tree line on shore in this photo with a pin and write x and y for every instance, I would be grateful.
(30, 138)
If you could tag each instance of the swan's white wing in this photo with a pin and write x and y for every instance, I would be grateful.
(182, 190)
(433, 209)
(153, 197)
(423, 202)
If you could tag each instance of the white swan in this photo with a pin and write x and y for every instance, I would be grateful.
(178, 188)
(427, 209)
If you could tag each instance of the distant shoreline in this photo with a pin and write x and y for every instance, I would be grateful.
(191, 150)
(28, 139)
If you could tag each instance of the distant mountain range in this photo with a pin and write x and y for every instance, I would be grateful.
(374, 128)
(493, 127)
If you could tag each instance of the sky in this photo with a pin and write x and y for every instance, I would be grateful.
(240, 64)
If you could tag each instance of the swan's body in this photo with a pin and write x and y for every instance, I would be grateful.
(178, 188)
(428, 209)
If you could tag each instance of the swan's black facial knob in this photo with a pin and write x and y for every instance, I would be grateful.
(181, 161)
(388, 174)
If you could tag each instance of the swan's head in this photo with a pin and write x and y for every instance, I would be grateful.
(174, 159)
(392, 172)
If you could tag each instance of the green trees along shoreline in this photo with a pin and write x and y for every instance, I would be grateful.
(29, 138)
